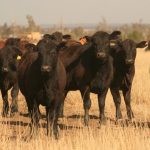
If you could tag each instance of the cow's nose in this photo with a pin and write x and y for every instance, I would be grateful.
(45, 68)
(4, 69)
(101, 55)
(129, 61)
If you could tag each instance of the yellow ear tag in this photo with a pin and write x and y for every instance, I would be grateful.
(112, 44)
(18, 57)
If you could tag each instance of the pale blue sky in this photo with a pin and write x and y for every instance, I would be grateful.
(75, 11)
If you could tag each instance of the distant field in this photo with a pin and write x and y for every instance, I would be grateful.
(73, 134)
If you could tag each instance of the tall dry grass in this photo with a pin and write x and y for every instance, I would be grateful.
(73, 134)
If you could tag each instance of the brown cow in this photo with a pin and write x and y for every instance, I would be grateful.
(2, 44)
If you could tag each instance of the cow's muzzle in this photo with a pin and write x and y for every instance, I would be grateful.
(101, 55)
(46, 68)
(4, 69)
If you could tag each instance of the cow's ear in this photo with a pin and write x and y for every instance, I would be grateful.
(46, 36)
(67, 37)
(115, 35)
(142, 44)
(88, 38)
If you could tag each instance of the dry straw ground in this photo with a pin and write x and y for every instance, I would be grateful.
(73, 135)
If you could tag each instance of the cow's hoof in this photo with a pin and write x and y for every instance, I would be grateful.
(119, 116)
(131, 116)
(14, 110)
(102, 120)
(4, 114)
(119, 120)
(13, 114)
(56, 135)
(27, 138)
(86, 122)
(61, 115)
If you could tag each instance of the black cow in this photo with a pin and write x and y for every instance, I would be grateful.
(124, 54)
(41, 83)
(92, 72)
(8, 77)
(42, 79)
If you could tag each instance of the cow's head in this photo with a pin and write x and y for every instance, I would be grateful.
(13, 42)
(9, 57)
(56, 37)
(102, 42)
(48, 55)
(129, 48)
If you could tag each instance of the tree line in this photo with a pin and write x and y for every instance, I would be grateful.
(136, 31)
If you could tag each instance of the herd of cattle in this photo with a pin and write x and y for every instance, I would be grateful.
(57, 64)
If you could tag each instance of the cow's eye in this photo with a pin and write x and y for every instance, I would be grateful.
(53, 53)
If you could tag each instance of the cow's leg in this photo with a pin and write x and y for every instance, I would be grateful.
(127, 98)
(5, 102)
(86, 104)
(101, 103)
(117, 100)
(33, 110)
(14, 95)
(52, 113)
(61, 111)
(29, 108)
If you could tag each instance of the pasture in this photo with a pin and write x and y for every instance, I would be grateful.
(123, 135)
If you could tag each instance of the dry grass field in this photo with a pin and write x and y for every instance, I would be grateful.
(74, 136)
